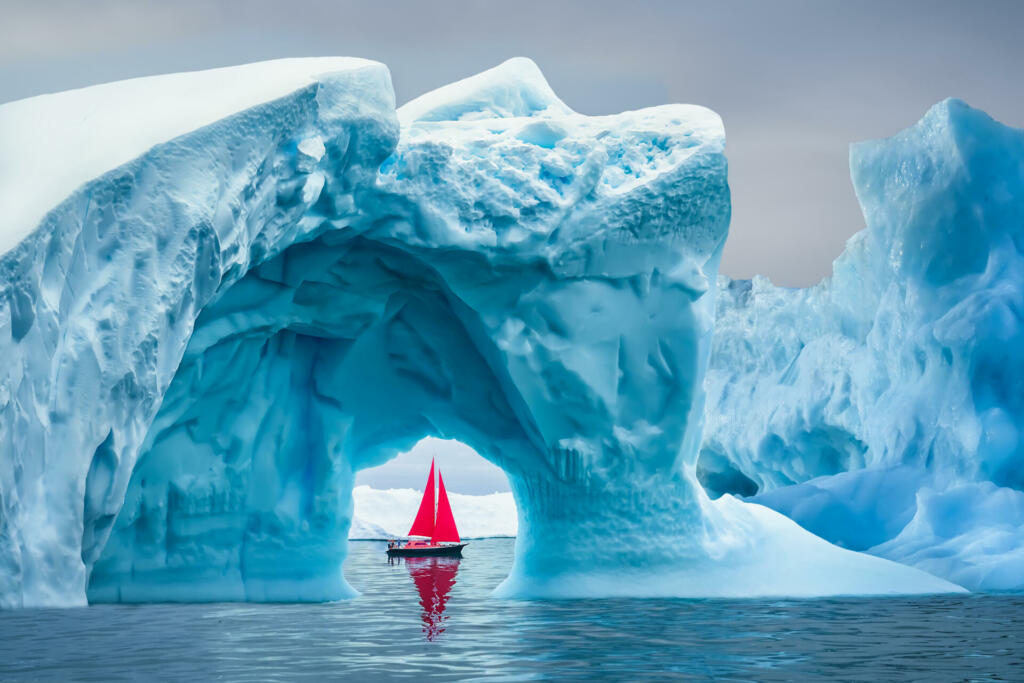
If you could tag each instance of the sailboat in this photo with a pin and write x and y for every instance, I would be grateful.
(433, 532)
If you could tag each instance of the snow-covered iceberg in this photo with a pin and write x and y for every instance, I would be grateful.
(381, 514)
(226, 319)
(882, 408)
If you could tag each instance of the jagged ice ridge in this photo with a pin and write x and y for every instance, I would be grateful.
(881, 409)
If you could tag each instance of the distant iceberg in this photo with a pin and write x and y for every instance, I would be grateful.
(385, 514)
(882, 408)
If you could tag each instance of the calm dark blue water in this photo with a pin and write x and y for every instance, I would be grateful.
(435, 620)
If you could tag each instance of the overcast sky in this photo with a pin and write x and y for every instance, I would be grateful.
(794, 81)
(464, 470)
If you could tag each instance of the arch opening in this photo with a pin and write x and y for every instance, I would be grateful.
(386, 497)
(330, 358)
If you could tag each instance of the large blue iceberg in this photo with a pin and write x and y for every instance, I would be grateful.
(233, 308)
(882, 408)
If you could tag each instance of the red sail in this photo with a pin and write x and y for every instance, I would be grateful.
(444, 527)
(423, 525)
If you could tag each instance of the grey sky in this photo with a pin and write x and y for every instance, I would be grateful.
(464, 470)
(795, 81)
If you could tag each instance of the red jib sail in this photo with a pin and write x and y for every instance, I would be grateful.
(423, 525)
(444, 527)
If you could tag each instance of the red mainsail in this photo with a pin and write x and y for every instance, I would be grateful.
(444, 526)
(423, 525)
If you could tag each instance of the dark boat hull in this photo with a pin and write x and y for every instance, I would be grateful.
(430, 551)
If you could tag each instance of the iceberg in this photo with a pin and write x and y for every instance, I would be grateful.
(382, 514)
(880, 409)
(213, 325)
(140, 202)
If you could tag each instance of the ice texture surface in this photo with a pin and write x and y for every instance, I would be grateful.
(207, 341)
(881, 409)
(99, 301)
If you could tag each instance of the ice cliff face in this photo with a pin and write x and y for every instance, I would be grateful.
(881, 409)
(207, 340)
(100, 297)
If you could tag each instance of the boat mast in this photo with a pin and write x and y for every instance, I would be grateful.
(444, 525)
(423, 525)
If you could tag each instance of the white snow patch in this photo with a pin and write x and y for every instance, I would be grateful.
(514, 88)
(52, 144)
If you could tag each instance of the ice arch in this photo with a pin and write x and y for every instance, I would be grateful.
(327, 359)
(543, 304)
(210, 338)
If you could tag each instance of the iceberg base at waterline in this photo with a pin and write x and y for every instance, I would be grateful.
(784, 560)
(732, 549)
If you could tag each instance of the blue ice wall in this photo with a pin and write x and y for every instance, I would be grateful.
(881, 408)
(97, 304)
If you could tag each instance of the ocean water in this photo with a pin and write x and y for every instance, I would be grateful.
(435, 620)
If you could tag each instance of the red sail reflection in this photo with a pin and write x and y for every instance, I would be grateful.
(434, 578)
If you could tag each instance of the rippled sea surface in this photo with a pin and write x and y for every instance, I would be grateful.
(436, 620)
